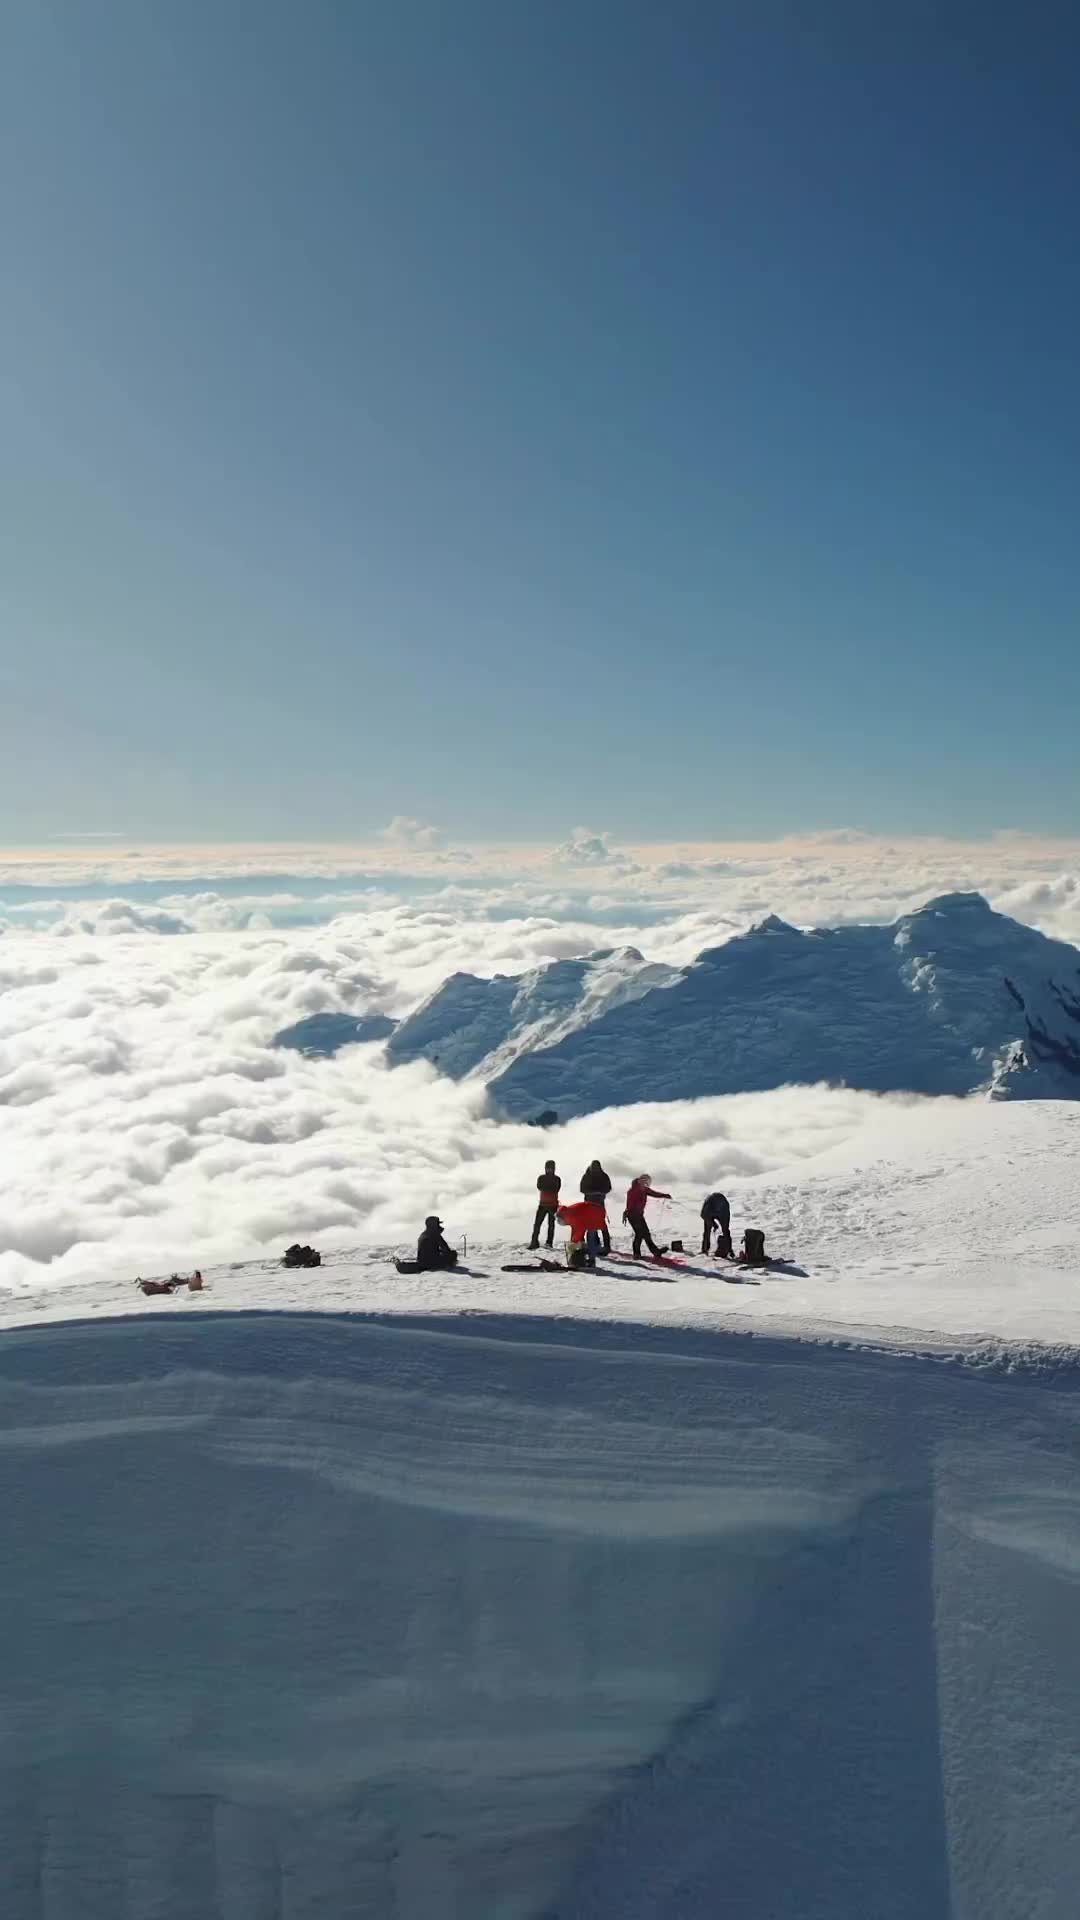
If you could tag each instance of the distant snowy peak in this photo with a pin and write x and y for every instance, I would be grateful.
(475, 1026)
(951, 999)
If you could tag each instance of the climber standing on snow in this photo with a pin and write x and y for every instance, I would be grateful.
(716, 1213)
(595, 1186)
(640, 1192)
(547, 1186)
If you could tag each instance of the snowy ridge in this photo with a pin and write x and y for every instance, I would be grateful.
(953, 999)
(324, 1617)
(474, 1026)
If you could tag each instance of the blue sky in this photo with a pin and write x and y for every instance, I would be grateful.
(514, 414)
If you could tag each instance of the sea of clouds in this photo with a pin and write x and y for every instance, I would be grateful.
(147, 1121)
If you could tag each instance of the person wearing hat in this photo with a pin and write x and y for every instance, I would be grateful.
(547, 1187)
(595, 1186)
(432, 1251)
(640, 1192)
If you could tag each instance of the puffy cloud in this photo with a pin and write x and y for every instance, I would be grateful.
(406, 832)
(1057, 898)
(586, 848)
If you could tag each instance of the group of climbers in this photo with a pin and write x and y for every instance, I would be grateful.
(586, 1218)
(590, 1234)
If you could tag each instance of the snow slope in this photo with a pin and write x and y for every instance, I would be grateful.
(944, 1226)
(951, 999)
(521, 1597)
(319, 1617)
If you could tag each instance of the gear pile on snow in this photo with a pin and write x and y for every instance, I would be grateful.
(298, 1256)
(194, 1284)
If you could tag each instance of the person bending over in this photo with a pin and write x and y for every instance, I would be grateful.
(716, 1213)
(585, 1219)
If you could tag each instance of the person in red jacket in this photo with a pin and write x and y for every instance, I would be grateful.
(640, 1192)
(586, 1220)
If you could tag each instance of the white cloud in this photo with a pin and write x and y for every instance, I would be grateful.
(837, 837)
(406, 832)
(586, 848)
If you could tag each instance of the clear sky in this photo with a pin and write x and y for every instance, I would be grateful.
(519, 412)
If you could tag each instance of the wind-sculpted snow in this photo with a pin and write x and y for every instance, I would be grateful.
(315, 1617)
(949, 1000)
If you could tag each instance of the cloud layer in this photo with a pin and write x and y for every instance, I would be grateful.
(147, 1122)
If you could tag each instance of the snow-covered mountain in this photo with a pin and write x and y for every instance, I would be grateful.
(321, 1035)
(474, 1026)
(949, 1000)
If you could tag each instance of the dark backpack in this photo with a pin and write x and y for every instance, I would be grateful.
(298, 1256)
(753, 1247)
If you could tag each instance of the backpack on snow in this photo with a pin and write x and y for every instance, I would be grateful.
(753, 1248)
(298, 1256)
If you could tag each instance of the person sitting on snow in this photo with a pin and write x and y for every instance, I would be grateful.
(432, 1251)
(716, 1213)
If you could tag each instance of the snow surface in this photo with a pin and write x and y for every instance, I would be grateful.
(938, 1225)
(530, 1597)
(948, 1000)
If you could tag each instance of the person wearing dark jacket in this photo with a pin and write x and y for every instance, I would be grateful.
(548, 1187)
(716, 1213)
(595, 1186)
(432, 1251)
